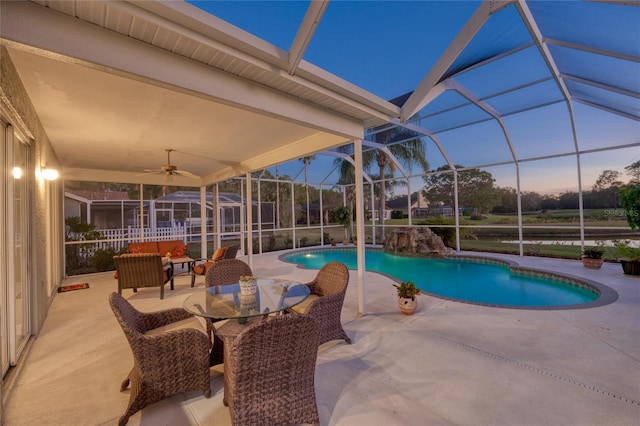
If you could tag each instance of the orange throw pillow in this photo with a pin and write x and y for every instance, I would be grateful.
(202, 269)
(219, 254)
(180, 251)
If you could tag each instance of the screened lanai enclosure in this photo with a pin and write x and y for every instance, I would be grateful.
(504, 126)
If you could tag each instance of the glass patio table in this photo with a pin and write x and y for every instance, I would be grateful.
(227, 302)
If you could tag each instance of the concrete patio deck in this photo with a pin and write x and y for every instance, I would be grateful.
(449, 364)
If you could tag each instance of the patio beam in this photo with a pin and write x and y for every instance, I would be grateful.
(423, 93)
(298, 149)
(305, 32)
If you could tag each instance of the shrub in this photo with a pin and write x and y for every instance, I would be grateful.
(103, 259)
(630, 201)
(271, 245)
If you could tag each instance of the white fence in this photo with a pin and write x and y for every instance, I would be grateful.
(120, 238)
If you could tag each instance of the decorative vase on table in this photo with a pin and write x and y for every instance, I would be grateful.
(248, 303)
(248, 285)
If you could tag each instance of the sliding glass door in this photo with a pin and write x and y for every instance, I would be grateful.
(14, 216)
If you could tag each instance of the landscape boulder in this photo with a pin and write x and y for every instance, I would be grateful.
(415, 241)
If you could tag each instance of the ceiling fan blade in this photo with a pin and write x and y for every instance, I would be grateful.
(148, 172)
(186, 174)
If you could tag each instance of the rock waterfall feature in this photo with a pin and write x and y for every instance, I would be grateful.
(416, 241)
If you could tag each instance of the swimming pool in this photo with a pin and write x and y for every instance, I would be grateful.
(471, 280)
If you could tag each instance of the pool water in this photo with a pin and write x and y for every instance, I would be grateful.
(459, 279)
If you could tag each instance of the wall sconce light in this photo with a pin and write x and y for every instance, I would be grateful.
(50, 174)
(17, 172)
(47, 173)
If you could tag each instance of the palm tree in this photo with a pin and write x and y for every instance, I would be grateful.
(407, 148)
(306, 161)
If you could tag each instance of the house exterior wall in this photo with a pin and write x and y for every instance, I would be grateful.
(19, 112)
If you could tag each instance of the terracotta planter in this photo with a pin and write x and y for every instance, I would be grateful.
(630, 267)
(333, 243)
(407, 306)
(591, 263)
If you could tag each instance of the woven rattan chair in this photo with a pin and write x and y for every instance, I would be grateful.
(142, 270)
(269, 372)
(326, 300)
(226, 271)
(164, 363)
(223, 272)
(227, 252)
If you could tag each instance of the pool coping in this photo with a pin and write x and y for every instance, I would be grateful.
(606, 295)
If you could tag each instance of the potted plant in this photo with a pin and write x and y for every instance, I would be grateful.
(328, 239)
(592, 257)
(407, 292)
(342, 215)
(629, 257)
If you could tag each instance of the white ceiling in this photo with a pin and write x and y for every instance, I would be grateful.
(86, 112)
(121, 83)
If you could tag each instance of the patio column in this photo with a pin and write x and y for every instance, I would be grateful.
(203, 222)
(359, 206)
(249, 224)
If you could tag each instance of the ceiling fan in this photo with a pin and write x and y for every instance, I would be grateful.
(169, 170)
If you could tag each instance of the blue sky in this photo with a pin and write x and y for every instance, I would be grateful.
(368, 43)
(387, 48)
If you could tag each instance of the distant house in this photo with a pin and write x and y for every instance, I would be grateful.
(104, 209)
(401, 204)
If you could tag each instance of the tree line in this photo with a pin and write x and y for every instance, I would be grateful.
(476, 188)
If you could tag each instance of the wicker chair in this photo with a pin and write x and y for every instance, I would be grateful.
(227, 252)
(269, 372)
(142, 270)
(164, 363)
(326, 300)
(223, 272)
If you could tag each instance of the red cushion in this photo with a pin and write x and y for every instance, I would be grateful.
(179, 251)
(147, 247)
(165, 247)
